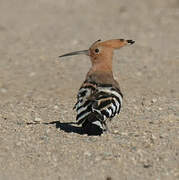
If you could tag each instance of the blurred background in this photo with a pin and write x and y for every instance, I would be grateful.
(37, 86)
(34, 33)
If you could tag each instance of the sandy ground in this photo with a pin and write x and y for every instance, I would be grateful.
(38, 90)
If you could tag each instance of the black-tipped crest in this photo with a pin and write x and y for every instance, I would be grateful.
(130, 41)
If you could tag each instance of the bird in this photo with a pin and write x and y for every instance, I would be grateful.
(99, 98)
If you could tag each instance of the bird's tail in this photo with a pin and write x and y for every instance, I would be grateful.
(93, 129)
(93, 125)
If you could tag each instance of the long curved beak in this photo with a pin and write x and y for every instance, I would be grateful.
(86, 52)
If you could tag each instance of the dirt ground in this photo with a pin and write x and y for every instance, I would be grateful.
(38, 90)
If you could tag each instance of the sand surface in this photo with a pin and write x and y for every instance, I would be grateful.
(38, 90)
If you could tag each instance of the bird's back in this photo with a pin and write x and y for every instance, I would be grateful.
(97, 102)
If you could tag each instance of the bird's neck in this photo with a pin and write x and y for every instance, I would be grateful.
(101, 64)
(101, 73)
(101, 68)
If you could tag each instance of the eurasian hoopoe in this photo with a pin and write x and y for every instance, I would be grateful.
(99, 97)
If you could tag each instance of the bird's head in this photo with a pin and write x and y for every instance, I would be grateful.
(102, 52)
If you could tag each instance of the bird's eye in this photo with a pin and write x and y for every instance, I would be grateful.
(96, 50)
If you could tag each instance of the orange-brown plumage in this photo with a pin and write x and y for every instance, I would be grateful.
(102, 60)
(99, 97)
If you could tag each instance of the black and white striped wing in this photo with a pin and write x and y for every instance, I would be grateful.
(97, 104)
(84, 104)
(108, 102)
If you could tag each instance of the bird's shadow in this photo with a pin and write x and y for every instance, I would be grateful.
(68, 127)
(71, 127)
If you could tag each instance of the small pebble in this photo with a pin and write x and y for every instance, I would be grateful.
(18, 143)
(154, 100)
(37, 119)
(139, 73)
(98, 158)
(87, 153)
(32, 74)
(146, 165)
(56, 107)
(3, 90)
(116, 131)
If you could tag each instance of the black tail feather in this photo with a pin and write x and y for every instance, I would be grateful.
(91, 129)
